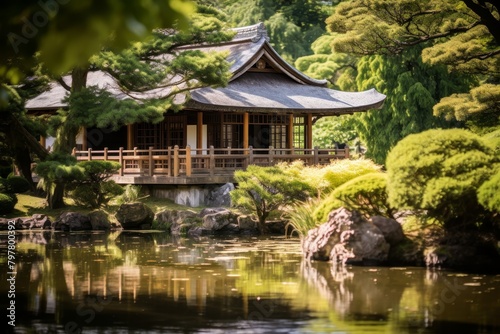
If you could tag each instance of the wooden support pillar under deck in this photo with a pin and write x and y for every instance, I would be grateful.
(245, 129)
(309, 131)
(199, 130)
(130, 136)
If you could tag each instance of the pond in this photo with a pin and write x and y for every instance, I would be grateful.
(150, 282)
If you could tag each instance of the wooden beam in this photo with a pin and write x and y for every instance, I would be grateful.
(309, 126)
(199, 131)
(130, 137)
(246, 119)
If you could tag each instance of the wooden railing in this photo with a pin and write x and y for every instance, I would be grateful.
(221, 161)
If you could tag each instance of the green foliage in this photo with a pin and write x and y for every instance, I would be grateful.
(341, 171)
(465, 42)
(301, 217)
(489, 193)
(108, 22)
(18, 184)
(412, 89)
(325, 206)
(367, 194)
(92, 188)
(131, 194)
(330, 130)
(263, 190)
(57, 169)
(292, 25)
(440, 171)
(7, 203)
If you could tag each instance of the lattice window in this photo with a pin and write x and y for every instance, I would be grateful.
(147, 135)
(176, 131)
(299, 126)
(278, 136)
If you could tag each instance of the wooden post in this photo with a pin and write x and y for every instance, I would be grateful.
(250, 155)
(346, 151)
(89, 154)
(289, 135)
(309, 126)
(212, 160)
(169, 155)
(176, 161)
(246, 119)
(271, 156)
(188, 160)
(151, 161)
(316, 156)
(130, 136)
(199, 131)
(120, 160)
(105, 154)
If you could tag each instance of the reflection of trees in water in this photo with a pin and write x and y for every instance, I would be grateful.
(408, 298)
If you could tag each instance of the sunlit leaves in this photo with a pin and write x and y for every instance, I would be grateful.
(440, 171)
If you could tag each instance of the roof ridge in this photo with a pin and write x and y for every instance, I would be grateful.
(253, 32)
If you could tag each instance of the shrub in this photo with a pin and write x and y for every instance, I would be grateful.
(366, 194)
(326, 178)
(489, 193)
(263, 190)
(7, 203)
(92, 188)
(440, 171)
(18, 184)
(325, 206)
(341, 171)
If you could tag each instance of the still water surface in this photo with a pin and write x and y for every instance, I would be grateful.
(149, 282)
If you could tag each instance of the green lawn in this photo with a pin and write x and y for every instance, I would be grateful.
(29, 204)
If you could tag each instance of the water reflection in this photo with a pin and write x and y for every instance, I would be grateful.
(142, 281)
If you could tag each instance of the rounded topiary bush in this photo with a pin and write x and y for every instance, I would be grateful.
(18, 184)
(440, 171)
(7, 203)
(367, 194)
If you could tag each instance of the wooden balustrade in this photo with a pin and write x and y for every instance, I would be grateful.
(188, 162)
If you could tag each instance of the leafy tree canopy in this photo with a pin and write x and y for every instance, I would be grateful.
(463, 35)
(68, 33)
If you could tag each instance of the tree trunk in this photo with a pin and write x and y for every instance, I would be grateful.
(66, 135)
(55, 200)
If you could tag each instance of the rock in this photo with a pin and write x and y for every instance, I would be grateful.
(37, 221)
(72, 221)
(466, 251)
(220, 196)
(346, 237)
(246, 223)
(135, 216)
(390, 228)
(209, 211)
(99, 220)
(40, 221)
(216, 222)
(177, 221)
